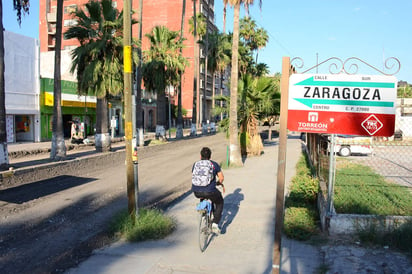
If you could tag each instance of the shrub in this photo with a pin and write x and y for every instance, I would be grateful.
(301, 220)
(301, 223)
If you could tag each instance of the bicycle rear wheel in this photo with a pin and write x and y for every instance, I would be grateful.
(203, 232)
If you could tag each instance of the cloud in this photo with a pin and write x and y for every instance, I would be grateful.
(356, 9)
(331, 38)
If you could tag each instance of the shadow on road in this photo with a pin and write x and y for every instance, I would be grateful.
(32, 191)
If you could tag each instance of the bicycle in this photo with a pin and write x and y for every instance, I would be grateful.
(205, 209)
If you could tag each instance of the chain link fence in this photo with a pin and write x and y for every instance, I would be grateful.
(388, 157)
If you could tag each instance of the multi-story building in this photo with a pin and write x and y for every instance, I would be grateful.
(155, 12)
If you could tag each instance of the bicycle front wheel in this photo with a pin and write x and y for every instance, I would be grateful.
(203, 232)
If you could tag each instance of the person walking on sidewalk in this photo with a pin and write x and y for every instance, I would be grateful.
(204, 184)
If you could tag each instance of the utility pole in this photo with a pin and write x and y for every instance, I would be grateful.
(280, 187)
(127, 74)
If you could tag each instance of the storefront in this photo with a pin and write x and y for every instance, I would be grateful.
(76, 109)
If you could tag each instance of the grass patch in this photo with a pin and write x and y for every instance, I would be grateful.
(301, 220)
(151, 224)
(155, 142)
(359, 190)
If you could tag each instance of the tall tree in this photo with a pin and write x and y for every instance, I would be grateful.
(58, 149)
(198, 30)
(179, 130)
(253, 38)
(218, 55)
(261, 39)
(21, 7)
(205, 37)
(162, 67)
(193, 129)
(99, 59)
(235, 155)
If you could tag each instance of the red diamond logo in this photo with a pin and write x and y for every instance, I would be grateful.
(372, 124)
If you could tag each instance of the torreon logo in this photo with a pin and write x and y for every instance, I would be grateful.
(312, 123)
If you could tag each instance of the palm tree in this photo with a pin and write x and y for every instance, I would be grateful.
(247, 30)
(179, 128)
(58, 149)
(234, 155)
(218, 57)
(261, 39)
(98, 60)
(262, 69)
(162, 68)
(270, 108)
(193, 129)
(199, 31)
(253, 38)
(21, 7)
(254, 97)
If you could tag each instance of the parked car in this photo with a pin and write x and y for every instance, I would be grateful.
(346, 145)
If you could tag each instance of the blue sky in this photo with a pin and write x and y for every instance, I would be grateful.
(372, 30)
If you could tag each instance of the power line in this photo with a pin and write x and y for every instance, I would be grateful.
(276, 39)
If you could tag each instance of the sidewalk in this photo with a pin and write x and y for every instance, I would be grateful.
(246, 243)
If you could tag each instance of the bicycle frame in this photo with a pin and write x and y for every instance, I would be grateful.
(205, 209)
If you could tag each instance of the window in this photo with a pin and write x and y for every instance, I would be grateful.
(70, 22)
(70, 8)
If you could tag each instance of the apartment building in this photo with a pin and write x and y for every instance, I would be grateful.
(155, 12)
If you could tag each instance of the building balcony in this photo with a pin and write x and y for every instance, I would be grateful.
(51, 17)
(51, 31)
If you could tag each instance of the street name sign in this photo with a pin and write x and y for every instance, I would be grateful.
(342, 104)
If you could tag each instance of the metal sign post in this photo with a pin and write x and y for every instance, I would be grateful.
(280, 186)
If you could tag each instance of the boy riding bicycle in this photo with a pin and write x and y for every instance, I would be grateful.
(204, 184)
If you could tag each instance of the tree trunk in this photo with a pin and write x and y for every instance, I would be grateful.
(193, 129)
(161, 115)
(179, 130)
(234, 155)
(102, 137)
(58, 149)
(204, 125)
(4, 155)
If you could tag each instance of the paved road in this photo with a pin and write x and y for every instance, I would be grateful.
(50, 224)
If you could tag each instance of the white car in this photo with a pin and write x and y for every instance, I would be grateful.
(346, 145)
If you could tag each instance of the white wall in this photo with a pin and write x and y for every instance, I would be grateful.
(47, 65)
(22, 78)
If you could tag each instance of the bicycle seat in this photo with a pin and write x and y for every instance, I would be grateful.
(204, 205)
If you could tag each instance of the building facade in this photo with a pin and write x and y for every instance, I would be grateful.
(77, 110)
(22, 88)
(159, 12)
